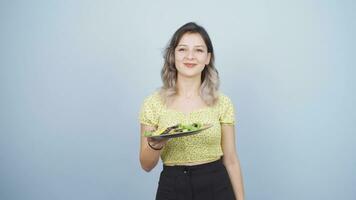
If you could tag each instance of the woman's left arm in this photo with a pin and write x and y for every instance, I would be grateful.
(230, 159)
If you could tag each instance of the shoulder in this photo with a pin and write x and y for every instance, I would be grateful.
(153, 99)
(224, 99)
(226, 109)
(149, 113)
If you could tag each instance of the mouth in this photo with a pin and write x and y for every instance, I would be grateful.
(190, 65)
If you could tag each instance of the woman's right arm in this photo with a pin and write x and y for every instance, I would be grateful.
(148, 156)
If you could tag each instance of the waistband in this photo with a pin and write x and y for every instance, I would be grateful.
(194, 169)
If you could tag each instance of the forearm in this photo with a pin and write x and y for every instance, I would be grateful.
(149, 157)
(235, 175)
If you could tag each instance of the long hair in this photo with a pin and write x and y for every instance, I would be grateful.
(209, 77)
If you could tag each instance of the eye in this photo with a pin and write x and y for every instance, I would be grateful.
(200, 50)
(181, 49)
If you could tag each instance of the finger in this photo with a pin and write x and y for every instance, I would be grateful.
(159, 142)
(151, 140)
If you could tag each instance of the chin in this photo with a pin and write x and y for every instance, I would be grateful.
(190, 74)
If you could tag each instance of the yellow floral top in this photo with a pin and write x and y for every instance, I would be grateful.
(205, 146)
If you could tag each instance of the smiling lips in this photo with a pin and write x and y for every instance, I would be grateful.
(190, 65)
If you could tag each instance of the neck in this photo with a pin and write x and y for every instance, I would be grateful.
(188, 87)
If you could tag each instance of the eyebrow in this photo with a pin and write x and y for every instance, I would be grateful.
(194, 46)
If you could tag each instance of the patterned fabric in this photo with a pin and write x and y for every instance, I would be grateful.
(205, 146)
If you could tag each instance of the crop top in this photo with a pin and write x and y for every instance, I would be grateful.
(205, 146)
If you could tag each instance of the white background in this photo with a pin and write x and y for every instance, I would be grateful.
(74, 74)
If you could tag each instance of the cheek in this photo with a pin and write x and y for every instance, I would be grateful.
(178, 56)
(177, 62)
(201, 62)
(206, 61)
(203, 59)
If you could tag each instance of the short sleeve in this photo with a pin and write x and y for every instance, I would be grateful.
(149, 113)
(227, 113)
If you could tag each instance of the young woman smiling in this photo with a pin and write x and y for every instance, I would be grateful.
(203, 166)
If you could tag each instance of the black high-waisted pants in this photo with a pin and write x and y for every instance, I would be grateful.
(200, 182)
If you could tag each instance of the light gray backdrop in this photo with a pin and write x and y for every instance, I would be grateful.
(74, 74)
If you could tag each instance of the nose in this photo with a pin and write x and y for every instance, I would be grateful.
(190, 54)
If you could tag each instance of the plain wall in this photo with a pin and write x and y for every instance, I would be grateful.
(74, 75)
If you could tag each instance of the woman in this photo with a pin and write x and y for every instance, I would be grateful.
(201, 166)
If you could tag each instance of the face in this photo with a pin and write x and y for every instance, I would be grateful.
(191, 55)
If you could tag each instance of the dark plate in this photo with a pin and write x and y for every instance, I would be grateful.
(180, 134)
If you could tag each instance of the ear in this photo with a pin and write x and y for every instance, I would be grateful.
(207, 61)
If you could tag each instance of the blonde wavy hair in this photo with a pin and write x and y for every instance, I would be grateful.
(209, 78)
